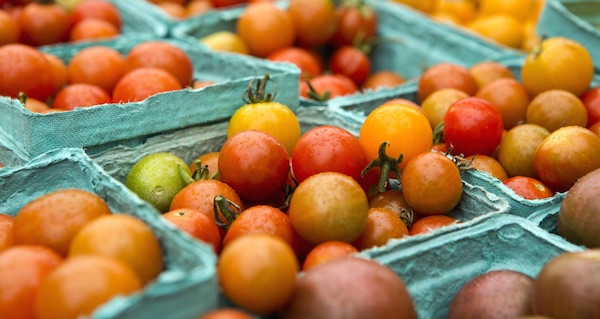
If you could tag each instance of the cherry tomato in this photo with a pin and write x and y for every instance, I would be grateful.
(196, 224)
(329, 206)
(315, 21)
(473, 126)
(528, 187)
(446, 75)
(357, 24)
(566, 155)
(394, 200)
(326, 252)
(304, 59)
(226, 3)
(431, 183)
(351, 62)
(382, 225)
(274, 118)
(429, 223)
(328, 86)
(406, 129)
(258, 272)
(254, 164)
(43, 24)
(591, 100)
(262, 219)
(327, 149)
(265, 28)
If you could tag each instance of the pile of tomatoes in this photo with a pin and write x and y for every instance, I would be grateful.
(67, 269)
(329, 43)
(43, 23)
(95, 75)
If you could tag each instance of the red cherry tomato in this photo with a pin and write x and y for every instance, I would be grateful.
(304, 59)
(473, 126)
(356, 24)
(254, 164)
(591, 100)
(328, 86)
(351, 62)
(327, 149)
(226, 3)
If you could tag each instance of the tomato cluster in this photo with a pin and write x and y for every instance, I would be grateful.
(35, 24)
(183, 9)
(301, 200)
(520, 129)
(95, 75)
(43, 263)
(510, 23)
(330, 44)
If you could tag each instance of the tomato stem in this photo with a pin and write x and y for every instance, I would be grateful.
(461, 162)
(259, 95)
(187, 178)
(228, 209)
(288, 190)
(407, 216)
(537, 50)
(387, 164)
(438, 133)
(313, 94)
(22, 97)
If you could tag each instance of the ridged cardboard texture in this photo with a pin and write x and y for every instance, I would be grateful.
(574, 19)
(184, 290)
(434, 266)
(138, 16)
(101, 127)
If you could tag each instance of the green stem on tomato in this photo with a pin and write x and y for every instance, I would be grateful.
(259, 94)
(227, 208)
(313, 94)
(438, 133)
(187, 178)
(386, 164)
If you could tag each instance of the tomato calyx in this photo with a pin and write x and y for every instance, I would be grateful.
(259, 94)
(537, 49)
(461, 162)
(228, 209)
(201, 172)
(438, 133)
(22, 97)
(386, 164)
(313, 94)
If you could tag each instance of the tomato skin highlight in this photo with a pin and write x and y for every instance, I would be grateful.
(473, 126)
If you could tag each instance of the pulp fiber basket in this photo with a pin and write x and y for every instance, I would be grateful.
(575, 19)
(186, 288)
(435, 266)
(101, 127)
(411, 41)
(139, 16)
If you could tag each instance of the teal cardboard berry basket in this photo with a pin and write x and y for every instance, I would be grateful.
(187, 286)
(100, 127)
(435, 266)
